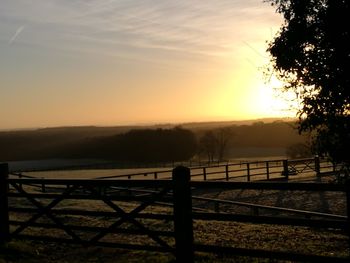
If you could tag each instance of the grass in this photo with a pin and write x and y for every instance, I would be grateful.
(327, 242)
(37, 252)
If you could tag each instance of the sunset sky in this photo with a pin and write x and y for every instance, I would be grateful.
(116, 62)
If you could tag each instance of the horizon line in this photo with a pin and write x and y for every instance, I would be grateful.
(140, 124)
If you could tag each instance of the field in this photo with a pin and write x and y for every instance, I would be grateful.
(305, 240)
(242, 235)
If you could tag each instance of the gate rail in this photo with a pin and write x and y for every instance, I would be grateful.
(180, 241)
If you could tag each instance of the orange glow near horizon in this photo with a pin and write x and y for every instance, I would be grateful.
(106, 63)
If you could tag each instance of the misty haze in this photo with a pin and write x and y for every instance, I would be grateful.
(174, 131)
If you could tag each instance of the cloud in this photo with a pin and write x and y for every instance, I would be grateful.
(145, 27)
(16, 34)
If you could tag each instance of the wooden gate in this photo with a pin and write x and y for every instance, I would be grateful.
(112, 212)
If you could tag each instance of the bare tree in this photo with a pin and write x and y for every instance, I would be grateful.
(208, 145)
(214, 143)
(223, 136)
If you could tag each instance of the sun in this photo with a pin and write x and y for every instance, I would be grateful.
(272, 101)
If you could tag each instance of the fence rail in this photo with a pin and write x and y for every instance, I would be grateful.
(239, 171)
(176, 238)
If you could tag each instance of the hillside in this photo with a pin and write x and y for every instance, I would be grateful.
(259, 139)
(248, 139)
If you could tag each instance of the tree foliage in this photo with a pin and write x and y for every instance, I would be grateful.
(214, 143)
(160, 145)
(311, 55)
(208, 145)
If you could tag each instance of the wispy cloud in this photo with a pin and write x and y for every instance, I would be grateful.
(191, 27)
(255, 50)
(16, 34)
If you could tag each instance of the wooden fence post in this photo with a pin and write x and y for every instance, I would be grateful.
(347, 188)
(20, 177)
(267, 171)
(43, 186)
(4, 212)
(227, 172)
(183, 215)
(285, 168)
(317, 166)
(248, 173)
(217, 207)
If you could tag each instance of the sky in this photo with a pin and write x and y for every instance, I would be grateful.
(118, 62)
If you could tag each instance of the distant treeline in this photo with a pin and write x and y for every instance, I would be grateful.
(139, 145)
(143, 145)
(259, 134)
(147, 144)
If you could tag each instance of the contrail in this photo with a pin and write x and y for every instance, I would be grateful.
(15, 35)
(252, 48)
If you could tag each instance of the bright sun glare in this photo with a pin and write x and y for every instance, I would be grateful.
(273, 101)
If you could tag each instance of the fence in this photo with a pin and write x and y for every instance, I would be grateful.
(238, 171)
(246, 171)
(262, 170)
(17, 197)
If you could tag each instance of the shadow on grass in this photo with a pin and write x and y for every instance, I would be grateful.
(34, 252)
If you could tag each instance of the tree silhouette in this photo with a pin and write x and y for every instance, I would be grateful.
(208, 145)
(311, 55)
(223, 136)
(214, 143)
(160, 145)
